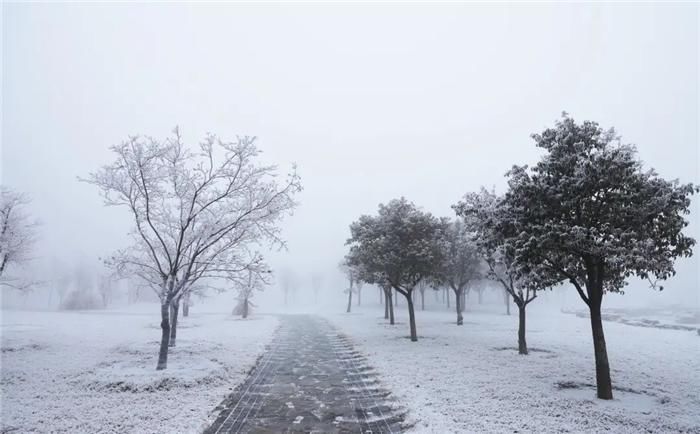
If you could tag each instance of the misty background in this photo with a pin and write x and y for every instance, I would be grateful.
(372, 102)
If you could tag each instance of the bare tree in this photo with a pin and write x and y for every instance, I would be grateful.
(254, 280)
(186, 303)
(105, 289)
(17, 236)
(195, 212)
(288, 281)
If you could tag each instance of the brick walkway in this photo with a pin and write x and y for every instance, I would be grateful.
(309, 380)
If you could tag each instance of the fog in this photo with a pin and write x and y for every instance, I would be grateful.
(372, 102)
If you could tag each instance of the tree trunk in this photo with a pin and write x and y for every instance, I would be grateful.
(186, 306)
(411, 317)
(522, 344)
(165, 335)
(245, 308)
(359, 295)
(381, 297)
(349, 300)
(422, 300)
(396, 299)
(458, 306)
(447, 292)
(391, 307)
(507, 299)
(174, 311)
(481, 295)
(602, 367)
(386, 305)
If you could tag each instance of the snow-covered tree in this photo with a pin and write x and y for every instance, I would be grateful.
(17, 236)
(399, 247)
(196, 211)
(254, 281)
(461, 263)
(589, 214)
(351, 273)
(487, 218)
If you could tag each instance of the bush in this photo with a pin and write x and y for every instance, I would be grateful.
(81, 300)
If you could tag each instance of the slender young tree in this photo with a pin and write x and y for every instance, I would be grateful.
(589, 214)
(399, 247)
(358, 289)
(506, 301)
(351, 274)
(487, 218)
(195, 212)
(422, 286)
(252, 281)
(388, 305)
(460, 264)
(186, 303)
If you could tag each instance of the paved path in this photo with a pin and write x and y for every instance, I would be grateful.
(309, 380)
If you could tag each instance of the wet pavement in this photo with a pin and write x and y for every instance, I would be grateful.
(309, 380)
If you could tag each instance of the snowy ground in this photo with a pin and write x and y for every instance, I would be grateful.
(674, 317)
(86, 372)
(471, 379)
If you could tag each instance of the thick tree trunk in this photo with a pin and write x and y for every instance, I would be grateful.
(447, 292)
(602, 367)
(165, 335)
(412, 318)
(349, 301)
(381, 296)
(522, 343)
(458, 306)
(174, 311)
(245, 308)
(422, 300)
(359, 295)
(481, 296)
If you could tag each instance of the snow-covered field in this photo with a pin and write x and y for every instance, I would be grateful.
(471, 378)
(86, 372)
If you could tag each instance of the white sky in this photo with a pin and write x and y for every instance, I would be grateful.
(371, 101)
